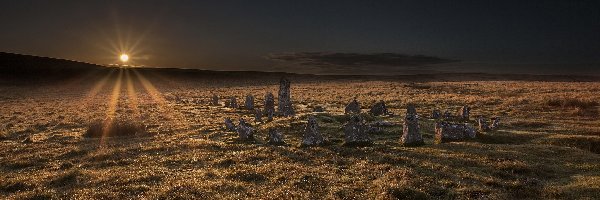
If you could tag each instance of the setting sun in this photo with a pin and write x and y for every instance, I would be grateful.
(124, 57)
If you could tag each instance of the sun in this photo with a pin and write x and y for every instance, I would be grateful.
(124, 57)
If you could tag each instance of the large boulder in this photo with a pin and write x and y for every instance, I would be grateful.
(249, 103)
(448, 132)
(411, 135)
(245, 131)
(285, 107)
(353, 107)
(312, 136)
(275, 137)
(379, 109)
(355, 132)
(269, 109)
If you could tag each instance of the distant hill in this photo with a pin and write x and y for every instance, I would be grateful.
(16, 68)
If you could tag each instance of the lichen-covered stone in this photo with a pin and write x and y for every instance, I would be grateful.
(463, 112)
(312, 136)
(245, 132)
(229, 125)
(249, 103)
(482, 124)
(379, 109)
(285, 107)
(411, 135)
(269, 109)
(495, 123)
(275, 137)
(448, 132)
(355, 132)
(353, 107)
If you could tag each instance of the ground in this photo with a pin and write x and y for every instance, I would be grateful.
(547, 146)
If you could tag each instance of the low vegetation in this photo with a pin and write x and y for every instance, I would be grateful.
(541, 151)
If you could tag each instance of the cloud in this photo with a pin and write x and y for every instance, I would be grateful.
(357, 59)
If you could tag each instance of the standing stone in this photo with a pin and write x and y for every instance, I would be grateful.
(436, 114)
(214, 100)
(269, 110)
(355, 132)
(232, 103)
(285, 107)
(249, 102)
(463, 113)
(352, 107)
(483, 124)
(448, 132)
(495, 123)
(229, 125)
(244, 131)
(275, 137)
(411, 136)
(257, 115)
(312, 136)
(379, 109)
(447, 114)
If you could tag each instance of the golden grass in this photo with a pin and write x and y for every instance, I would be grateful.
(540, 151)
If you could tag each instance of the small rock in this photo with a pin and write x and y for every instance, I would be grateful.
(312, 136)
(436, 114)
(353, 107)
(232, 103)
(463, 112)
(379, 109)
(275, 137)
(229, 125)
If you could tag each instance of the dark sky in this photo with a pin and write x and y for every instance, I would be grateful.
(364, 37)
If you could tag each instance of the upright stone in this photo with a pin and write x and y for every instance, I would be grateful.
(495, 123)
(448, 132)
(244, 131)
(379, 109)
(483, 124)
(214, 100)
(257, 115)
(275, 137)
(312, 136)
(269, 109)
(285, 107)
(355, 132)
(436, 114)
(463, 112)
(232, 103)
(411, 135)
(249, 104)
(229, 125)
(353, 107)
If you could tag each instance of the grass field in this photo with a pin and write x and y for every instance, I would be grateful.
(548, 144)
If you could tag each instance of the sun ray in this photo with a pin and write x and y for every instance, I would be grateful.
(112, 106)
(131, 93)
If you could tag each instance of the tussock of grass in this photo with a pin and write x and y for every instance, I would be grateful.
(115, 128)
(67, 179)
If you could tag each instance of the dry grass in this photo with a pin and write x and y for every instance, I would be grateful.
(541, 151)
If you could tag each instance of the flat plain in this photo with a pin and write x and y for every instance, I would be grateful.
(547, 146)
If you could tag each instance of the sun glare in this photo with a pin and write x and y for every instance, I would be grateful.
(124, 57)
